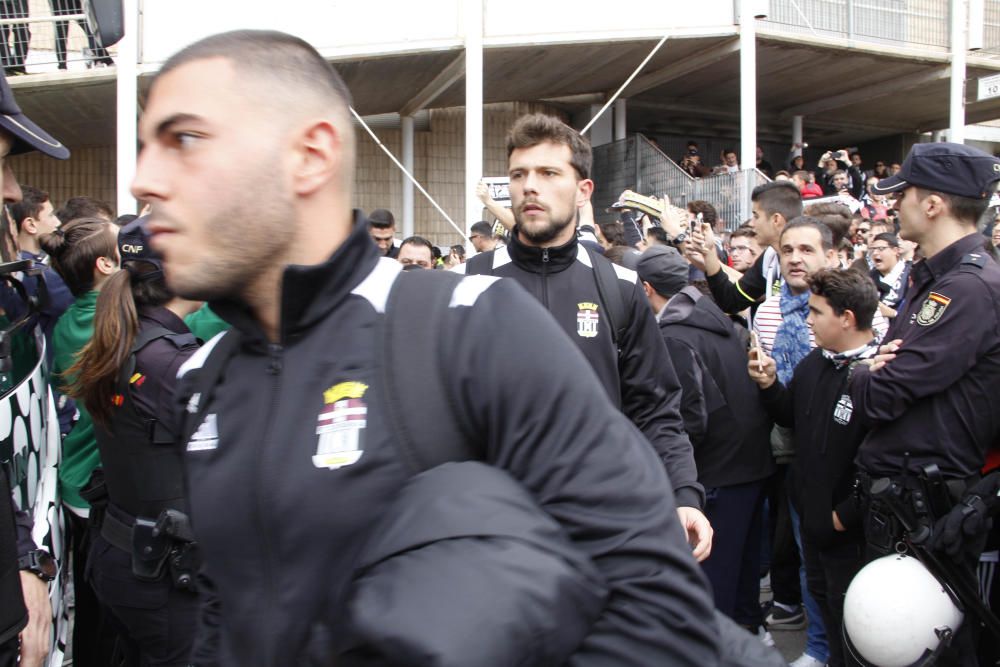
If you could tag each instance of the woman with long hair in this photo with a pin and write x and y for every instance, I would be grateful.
(85, 254)
(142, 558)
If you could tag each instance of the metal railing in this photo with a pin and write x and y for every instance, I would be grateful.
(922, 23)
(637, 164)
(47, 35)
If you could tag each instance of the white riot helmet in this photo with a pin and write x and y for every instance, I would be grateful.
(896, 612)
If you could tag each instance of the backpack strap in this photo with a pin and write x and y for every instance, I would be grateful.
(429, 428)
(610, 294)
(195, 390)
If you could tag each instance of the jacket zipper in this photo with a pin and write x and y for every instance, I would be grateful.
(274, 367)
(545, 278)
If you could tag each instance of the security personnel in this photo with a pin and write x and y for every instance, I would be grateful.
(295, 459)
(143, 560)
(933, 406)
(25, 612)
(549, 166)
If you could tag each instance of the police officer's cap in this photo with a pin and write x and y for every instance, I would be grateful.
(138, 257)
(944, 167)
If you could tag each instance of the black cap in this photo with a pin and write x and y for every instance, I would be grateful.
(664, 269)
(27, 136)
(954, 169)
(133, 244)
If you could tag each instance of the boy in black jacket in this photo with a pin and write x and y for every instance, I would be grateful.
(827, 434)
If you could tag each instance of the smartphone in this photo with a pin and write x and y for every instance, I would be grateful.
(755, 341)
(696, 223)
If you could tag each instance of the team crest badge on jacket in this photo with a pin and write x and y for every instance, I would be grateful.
(933, 309)
(339, 426)
(587, 319)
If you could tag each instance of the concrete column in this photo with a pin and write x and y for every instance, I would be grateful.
(748, 102)
(959, 28)
(797, 131)
(601, 130)
(473, 108)
(620, 128)
(127, 70)
(406, 124)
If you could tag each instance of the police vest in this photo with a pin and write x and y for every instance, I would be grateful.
(143, 471)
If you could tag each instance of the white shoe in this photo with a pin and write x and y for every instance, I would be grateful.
(765, 637)
(806, 661)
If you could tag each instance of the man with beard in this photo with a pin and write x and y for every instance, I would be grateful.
(293, 456)
(549, 168)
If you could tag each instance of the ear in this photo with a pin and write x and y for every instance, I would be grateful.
(933, 205)
(28, 225)
(584, 188)
(832, 258)
(105, 266)
(648, 289)
(318, 157)
(849, 320)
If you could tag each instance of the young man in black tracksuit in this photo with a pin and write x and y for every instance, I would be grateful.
(728, 426)
(295, 458)
(827, 434)
(549, 165)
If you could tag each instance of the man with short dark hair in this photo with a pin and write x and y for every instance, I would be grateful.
(890, 274)
(84, 207)
(481, 235)
(816, 405)
(726, 423)
(382, 227)
(773, 205)
(294, 458)
(417, 252)
(549, 166)
(743, 249)
(934, 402)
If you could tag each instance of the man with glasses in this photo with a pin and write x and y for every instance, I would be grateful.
(481, 235)
(743, 249)
(890, 273)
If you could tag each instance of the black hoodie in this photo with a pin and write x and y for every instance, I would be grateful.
(721, 406)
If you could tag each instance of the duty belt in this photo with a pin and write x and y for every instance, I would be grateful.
(154, 545)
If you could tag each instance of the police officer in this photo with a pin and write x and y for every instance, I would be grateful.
(142, 560)
(25, 613)
(932, 400)
(549, 167)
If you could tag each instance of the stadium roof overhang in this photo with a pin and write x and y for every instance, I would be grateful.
(846, 93)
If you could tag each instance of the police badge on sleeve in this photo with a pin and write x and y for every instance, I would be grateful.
(933, 309)
(340, 425)
(587, 319)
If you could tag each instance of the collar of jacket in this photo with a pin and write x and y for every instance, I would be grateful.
(936, 266)
(529, 257)
(309, 293)
(164, 317)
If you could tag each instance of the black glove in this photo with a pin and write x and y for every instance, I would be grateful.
(968, 521)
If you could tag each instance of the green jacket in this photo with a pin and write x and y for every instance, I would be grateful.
(205, 324)
(80, 456)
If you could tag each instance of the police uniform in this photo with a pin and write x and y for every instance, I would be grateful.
(936, 402)
(136, 574)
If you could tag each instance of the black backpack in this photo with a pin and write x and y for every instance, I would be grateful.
(429, 429)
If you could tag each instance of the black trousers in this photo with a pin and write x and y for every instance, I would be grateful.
(93, 636)
(159, 619)
(828, 574)
(8, 653)
(736, 514)
(784, 552)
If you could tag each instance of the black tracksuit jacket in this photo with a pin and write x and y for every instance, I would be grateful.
(642, 380)
(294, 463)
(828, 431)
